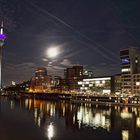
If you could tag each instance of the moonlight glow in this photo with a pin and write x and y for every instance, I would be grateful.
(52, 52)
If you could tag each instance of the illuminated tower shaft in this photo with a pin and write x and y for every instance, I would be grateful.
(2, 38)
(0, 68)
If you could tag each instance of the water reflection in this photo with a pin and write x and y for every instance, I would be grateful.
(49, 131)
(138, 122)
(124, 121)
(12, 104)
(125, 134)
(86, 116)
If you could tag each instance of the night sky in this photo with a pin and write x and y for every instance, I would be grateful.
(87, 32)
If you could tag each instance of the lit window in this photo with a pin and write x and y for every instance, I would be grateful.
(137, 83)
(103, 81)
(80, 83)
(125, 60)
(86, 72)
(90, 85)
(136, 61)
(126, 70)
(106, 91)
(97, 82)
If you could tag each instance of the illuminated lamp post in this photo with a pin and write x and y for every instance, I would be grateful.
(2, 39)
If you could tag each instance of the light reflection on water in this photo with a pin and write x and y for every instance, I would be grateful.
(86, 115)
(49, 131)
(55, 117)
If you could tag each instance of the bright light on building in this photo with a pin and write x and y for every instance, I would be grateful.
(106, 91)
(97, 79)
(125, 60)
(87, 82)
(137, 83)
(97, 82)
(86, 88)
(90, 85)
(80, 83)
(13, 83)
(126, 70)
(117, 93)
(103, 81)
(136, 61)
(82, 88)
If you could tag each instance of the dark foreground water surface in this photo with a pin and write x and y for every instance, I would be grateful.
(52, 120)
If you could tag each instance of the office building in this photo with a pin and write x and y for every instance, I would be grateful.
(41, 82)
(116, 84)
(75, 72)
(130, 64)
(101, 85)
(96, 86)
(136, 84)
(71, 77)
(41, 72)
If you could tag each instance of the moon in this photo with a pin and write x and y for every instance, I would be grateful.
(52, 52)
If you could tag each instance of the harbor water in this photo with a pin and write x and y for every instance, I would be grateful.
(32, 119)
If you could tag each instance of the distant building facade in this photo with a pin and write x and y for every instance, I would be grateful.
(130, 65)
(41, 82)
(95, 86)
(136, 84)
(20, 87)
(116, 84)
(71, 77)
(101, 85)
(75, 72)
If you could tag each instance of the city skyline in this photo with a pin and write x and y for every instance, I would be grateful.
(90, 33)
(69, 69)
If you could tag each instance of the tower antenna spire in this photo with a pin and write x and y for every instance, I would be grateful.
(1, 29)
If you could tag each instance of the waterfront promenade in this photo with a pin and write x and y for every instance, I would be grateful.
(79, 98)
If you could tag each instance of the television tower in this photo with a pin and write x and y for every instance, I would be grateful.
(2, 39)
